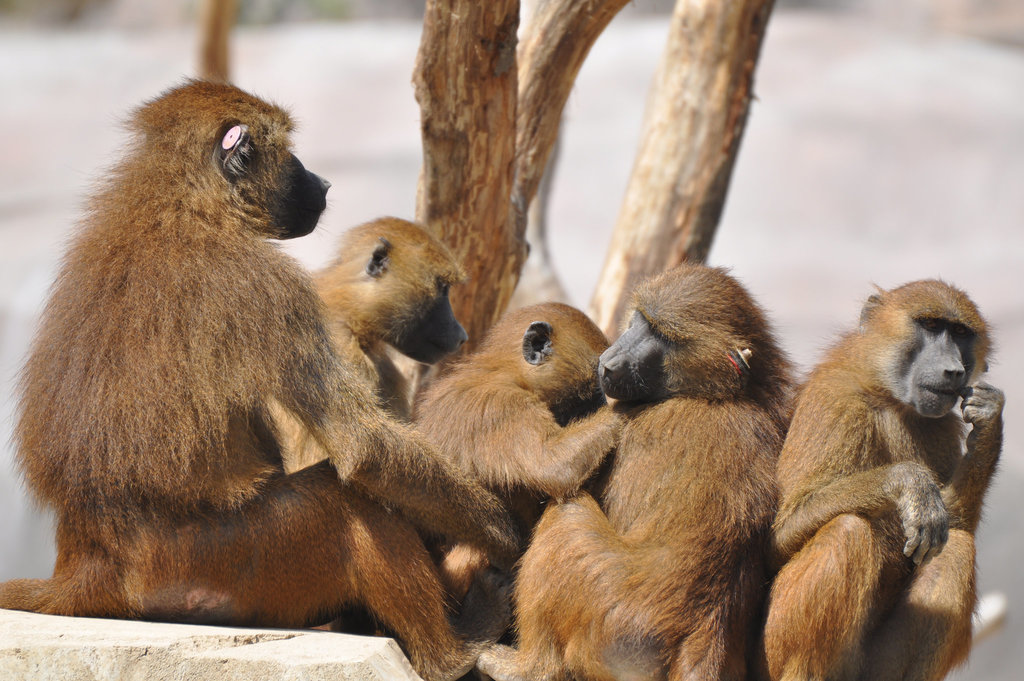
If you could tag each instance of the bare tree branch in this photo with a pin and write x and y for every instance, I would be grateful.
(557, 41)
(483, 162)
(559, 38)
(693, 125)
(538, 282)
(215, 21)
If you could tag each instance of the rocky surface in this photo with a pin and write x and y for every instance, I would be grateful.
(49, 648)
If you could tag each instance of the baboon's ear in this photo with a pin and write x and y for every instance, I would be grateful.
(537, 343)
(379, 261)
(870, 305)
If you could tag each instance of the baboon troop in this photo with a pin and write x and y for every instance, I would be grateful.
(226, 438)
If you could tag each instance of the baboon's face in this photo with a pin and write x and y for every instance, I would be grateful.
(633, 368)
(928, 342)
(434, 333)
(935, 367)
(424, 327)
(274, 178)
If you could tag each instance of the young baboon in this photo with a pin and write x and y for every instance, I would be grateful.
(881, 494)
(665, 577)
(524, 415)
(143, 414)
(387, 288)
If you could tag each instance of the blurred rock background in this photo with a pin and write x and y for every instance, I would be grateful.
(887, 144)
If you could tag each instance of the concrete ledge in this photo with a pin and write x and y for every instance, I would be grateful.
(49, 648)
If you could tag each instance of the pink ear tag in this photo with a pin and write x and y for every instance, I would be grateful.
(231, 137)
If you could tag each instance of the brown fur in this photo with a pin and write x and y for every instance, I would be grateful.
(848, 604)
(367, 314)
(143, 416)
(665, 578)
(529, 433)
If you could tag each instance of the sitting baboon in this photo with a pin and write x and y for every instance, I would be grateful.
(524, 415)
(143, 412)
(881, 494)
(387, 288)
(665, 578)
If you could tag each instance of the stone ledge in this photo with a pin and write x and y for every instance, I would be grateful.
(50, 648)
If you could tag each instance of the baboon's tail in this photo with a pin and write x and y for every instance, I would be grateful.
(34, 595)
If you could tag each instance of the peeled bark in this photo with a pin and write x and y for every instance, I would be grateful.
(692, 129)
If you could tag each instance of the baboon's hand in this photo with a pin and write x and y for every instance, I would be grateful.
(613, 420)
(922, 512)
(925, 523)
(983, 407)
(499, 663)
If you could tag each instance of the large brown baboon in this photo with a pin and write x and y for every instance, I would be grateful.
(524, 415)
(665, 578)
(882, 493)
(386, 291)
(143, 415)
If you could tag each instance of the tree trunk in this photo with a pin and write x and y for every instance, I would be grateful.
(482, 162)
(215, 21)
(465, 81)
(692, 129)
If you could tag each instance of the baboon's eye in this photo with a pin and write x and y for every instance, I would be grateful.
(231, 138)
(234, 151)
